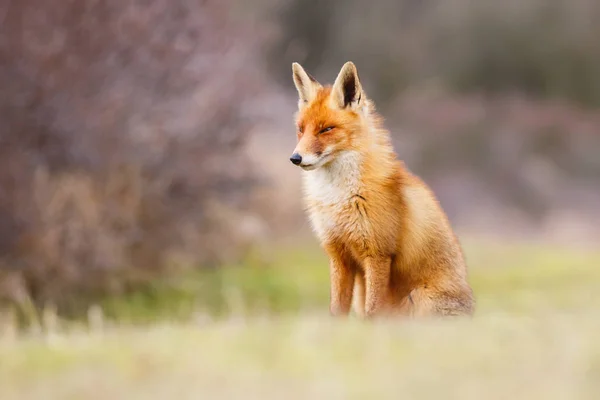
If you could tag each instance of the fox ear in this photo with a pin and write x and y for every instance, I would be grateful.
(347, 90)
(306, 85)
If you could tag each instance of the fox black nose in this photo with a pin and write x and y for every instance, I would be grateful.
(296, 158)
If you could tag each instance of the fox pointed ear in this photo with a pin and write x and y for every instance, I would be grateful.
(347, 90)
(306, 85)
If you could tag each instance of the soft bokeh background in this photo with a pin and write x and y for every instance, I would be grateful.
(147, 201)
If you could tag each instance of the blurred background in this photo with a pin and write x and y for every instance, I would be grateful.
(145, 180)
(142, 140)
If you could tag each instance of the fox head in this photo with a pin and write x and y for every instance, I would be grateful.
(330, 119)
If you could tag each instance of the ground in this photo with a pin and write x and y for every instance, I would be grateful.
(534, 336)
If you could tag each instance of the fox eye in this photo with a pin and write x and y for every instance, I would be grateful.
(329, 128)
(301, 129)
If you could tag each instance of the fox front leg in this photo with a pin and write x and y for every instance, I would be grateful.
(342, 285)
(377, 280)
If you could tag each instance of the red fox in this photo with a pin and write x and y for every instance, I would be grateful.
(390, 246)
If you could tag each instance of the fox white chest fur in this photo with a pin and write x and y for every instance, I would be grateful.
(331, 193)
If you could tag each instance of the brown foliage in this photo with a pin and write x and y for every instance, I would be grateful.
(123, 125)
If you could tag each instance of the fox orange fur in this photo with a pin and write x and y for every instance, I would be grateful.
(390, 245)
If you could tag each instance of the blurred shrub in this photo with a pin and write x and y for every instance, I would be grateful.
(121, 142)
(546, 48)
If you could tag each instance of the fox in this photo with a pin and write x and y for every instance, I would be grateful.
(390, 245)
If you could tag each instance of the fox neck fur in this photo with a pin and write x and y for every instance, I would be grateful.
(368, 166)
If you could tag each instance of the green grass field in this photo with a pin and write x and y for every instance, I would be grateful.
(261, 330)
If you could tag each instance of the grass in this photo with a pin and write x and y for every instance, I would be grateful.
(522, 279)
(262, 331)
